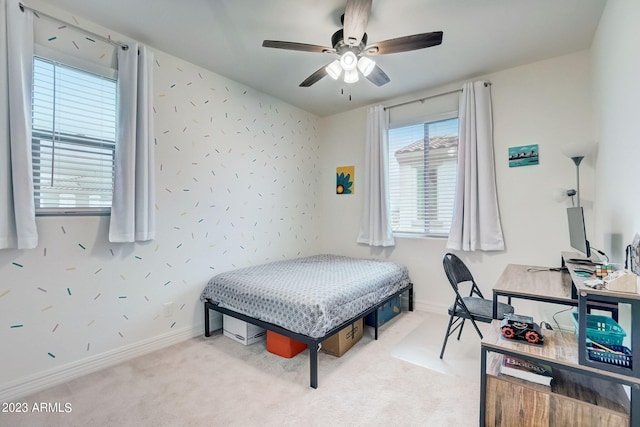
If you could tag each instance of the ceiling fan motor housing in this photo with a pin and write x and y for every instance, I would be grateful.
(337, 41)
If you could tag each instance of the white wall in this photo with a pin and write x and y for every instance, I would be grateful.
(237, 183)
(546, 103)
(616, 67)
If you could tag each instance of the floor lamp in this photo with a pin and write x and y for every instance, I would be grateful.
(577, 160)
(577, 151)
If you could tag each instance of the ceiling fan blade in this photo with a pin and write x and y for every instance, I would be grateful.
(378, 77)
(297, 46)
(315, 77)
(405, 44)
(356, 17)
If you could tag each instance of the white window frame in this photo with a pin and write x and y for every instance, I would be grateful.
(419, 121)
(69, 61)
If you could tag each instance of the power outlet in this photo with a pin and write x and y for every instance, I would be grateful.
(167, 309)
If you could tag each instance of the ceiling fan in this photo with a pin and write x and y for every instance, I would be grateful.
(350, 44)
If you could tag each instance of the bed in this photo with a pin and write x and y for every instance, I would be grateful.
(308, 299)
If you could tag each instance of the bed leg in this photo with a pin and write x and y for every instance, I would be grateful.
(375, 322)
(411, 299)
(313, 364)
(207, 332)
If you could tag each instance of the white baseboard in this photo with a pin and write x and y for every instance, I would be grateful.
(45, 379)
(423, 306)
(431, 308)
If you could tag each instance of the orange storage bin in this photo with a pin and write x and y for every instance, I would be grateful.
(283, 346)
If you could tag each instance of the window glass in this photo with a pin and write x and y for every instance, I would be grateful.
(422, 177)
(73, 141)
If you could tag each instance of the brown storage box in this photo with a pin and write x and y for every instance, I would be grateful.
(283, 346)
(338, 344)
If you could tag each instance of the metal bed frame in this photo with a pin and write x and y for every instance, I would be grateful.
(312, 343)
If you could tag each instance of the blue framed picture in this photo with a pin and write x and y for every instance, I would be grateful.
(524, 155)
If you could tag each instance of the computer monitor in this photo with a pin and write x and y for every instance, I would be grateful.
(577, 233)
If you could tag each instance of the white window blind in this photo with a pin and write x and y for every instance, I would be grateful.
(422, 177)
(74, 128)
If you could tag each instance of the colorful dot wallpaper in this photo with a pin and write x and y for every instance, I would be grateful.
(237, 182)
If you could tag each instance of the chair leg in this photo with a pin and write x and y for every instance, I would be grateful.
(477, 329)
(460, 331)
(446, 336)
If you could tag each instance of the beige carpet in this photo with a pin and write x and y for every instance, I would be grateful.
(218, 382)
(422, 347)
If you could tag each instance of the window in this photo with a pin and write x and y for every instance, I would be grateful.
(74, 128)
(422, 177)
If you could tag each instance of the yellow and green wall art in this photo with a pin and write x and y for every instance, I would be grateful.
(344, 179)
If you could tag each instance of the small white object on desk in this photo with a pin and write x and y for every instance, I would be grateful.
(594, 283)
(621, 281)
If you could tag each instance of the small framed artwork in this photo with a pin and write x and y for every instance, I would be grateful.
(344, 179)
(524, 155)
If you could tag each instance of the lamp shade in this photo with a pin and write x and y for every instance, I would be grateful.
(351, 76)
(366, 65)
(349, 61)
(334, 69)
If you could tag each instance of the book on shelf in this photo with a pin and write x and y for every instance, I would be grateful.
(526, 370)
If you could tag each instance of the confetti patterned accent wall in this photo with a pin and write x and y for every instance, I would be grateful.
(237, 183)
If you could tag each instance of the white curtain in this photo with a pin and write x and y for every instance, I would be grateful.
(375, 228)
(133, 208)
(476, 218)
(17, 208)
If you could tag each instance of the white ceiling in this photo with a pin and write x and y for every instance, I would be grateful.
(225, 36)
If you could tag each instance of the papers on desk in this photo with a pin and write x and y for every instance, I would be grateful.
(594, 283)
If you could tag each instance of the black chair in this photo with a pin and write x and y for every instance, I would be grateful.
(473, 307)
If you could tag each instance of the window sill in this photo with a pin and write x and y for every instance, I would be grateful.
(419, 236)
(72, 212)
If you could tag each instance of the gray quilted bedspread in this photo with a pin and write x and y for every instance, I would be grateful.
(308, 295)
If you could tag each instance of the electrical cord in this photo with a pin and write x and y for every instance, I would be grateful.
(546, 325)
(601, 253)
(558, 312)
(538, 269)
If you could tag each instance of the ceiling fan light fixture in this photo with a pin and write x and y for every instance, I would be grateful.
(366, 65)
(350, 44)
(351, 76)
(349, 61)
(334, 69)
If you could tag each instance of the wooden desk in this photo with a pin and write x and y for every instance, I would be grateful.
(540, 284)
(586, 393)
(533, 283)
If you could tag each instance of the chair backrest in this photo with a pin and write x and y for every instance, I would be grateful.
(457, 272)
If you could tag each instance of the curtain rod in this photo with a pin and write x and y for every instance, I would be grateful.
(39, 14)
(429, 97)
